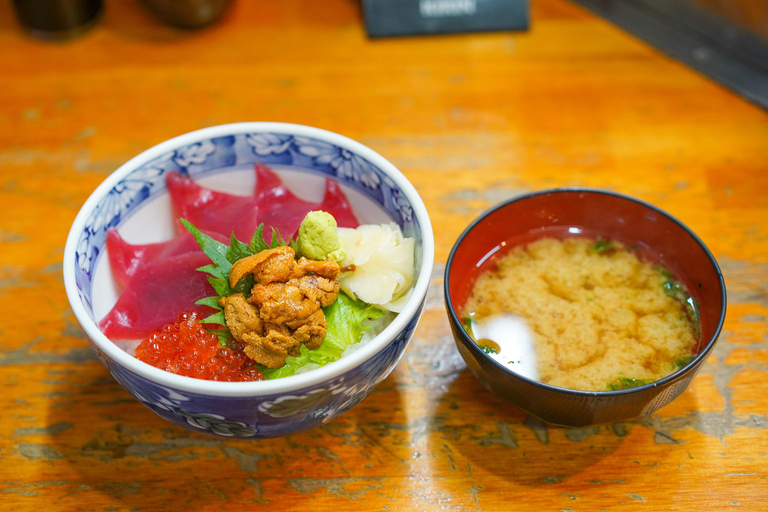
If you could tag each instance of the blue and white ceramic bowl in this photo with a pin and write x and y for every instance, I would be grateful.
(134, 199)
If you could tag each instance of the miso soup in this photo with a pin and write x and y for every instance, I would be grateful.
(583, 314)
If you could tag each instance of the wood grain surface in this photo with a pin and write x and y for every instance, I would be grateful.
(470, 120)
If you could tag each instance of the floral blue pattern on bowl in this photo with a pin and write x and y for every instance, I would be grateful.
(228, 411)
(268, 416)
(210, 156)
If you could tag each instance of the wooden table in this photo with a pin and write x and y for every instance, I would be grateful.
(471, 120)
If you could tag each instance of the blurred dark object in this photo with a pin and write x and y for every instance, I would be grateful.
(188, 13)
(58, 20)
(724, 39)
(750, 15)
(386, 18)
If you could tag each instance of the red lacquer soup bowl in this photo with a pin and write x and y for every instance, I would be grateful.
(656, 236)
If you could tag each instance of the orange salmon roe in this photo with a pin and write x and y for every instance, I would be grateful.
(184, 347)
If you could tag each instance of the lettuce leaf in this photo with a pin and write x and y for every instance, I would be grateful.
(346, 319)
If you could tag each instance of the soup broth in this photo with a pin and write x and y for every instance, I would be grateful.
(598, 316)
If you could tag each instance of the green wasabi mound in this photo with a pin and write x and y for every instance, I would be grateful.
(318, 238)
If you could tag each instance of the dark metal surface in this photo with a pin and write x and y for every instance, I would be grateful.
(392, 18)
(714, 45)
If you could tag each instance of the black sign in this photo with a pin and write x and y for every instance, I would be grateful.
(385, 18)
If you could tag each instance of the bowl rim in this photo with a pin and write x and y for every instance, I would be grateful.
(266, 387)
(696, 361)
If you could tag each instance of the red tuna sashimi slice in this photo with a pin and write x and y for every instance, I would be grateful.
(281, 209)
(337, 204)
(156, 294)
(210, 210)
(125, 258)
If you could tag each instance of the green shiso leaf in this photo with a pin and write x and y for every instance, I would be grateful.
(347, 320)
(222, 257)
(215, 318)
(211, 302)
(277, 240)
(213, 270)
(237, 249)
(220, 286)
(257, 243)
(244, 286)
(223, 334)
(214, 249)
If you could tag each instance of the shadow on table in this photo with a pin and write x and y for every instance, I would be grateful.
(111, 449)
(519, 448)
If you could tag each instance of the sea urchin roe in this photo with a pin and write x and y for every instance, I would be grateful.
(184, 347)
(284, 308)
(600, 317)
